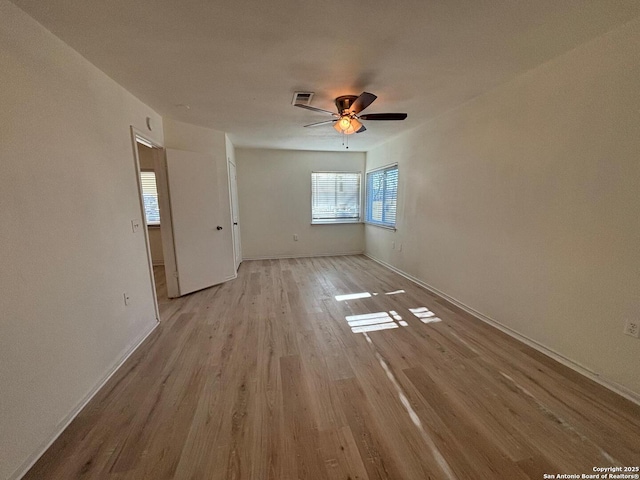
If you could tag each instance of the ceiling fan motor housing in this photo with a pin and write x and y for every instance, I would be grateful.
(344, 102)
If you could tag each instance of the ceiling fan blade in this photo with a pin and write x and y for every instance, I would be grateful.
(383, 116)
(362, 102)
(314, 109)
(321, 123)
(361, 129)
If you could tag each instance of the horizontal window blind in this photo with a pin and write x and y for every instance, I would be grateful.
(150, 198)
(382, 196)
(335, 197)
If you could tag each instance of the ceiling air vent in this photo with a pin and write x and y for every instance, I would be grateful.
(302, 98)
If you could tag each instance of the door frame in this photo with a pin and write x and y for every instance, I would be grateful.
(135, 135)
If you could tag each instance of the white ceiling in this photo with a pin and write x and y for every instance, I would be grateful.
(237, 63)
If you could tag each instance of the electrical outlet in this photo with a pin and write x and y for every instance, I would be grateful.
(632, 328)
(295, 237)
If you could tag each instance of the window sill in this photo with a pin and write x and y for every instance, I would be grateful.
(386, 227)
(345, 222)
(153, 225)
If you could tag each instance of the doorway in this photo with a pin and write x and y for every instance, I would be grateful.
(152, 215)
(146, 153)
(189, 242)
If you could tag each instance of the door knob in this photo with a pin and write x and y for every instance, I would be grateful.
(218, 227)
(235, 223)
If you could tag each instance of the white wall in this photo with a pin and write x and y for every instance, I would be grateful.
(68, 193)
(524, 204)
(155, 244)
(274, 189)
(183, 136)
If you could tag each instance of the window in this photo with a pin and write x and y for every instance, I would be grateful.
(150, 197)
(335, 197)
(382, 196)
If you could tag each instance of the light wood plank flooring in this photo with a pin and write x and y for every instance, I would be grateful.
(264, 378)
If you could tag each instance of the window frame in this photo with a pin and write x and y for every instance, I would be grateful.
(150, 170)
(337, 220)
(367, 213)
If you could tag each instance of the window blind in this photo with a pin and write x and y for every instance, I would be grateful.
(382, 196)
(150, 198)
(335, 197)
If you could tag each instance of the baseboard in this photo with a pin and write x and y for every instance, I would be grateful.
(581, 369)
(301, 255)
(64, 423)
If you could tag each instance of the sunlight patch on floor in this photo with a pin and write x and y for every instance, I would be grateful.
(425, 315)
(352, 296)
(371, 322)
(395, 292)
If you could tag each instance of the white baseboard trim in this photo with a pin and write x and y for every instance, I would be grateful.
(596, 377)
(301, 255)
(64, 423)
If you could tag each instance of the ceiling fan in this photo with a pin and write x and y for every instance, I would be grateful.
(347, 120)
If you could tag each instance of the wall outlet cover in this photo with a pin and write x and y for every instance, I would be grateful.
(632, 328)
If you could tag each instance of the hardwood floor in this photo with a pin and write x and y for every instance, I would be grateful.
(264, 378)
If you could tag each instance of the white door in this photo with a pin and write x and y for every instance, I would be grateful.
(233, 185)
(197, 220)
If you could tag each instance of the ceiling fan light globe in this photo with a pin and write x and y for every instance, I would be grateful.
(344, 123)
(355, 124)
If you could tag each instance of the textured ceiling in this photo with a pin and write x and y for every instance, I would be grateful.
(237, 63)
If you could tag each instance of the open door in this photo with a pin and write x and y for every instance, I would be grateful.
(233, 186)
(199, 226)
